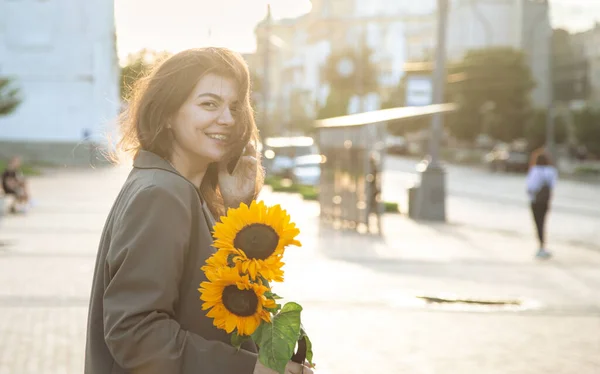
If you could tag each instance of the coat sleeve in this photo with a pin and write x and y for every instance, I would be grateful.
(145, 262)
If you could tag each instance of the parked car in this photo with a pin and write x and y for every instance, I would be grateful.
(307, 170)
(279, 154)
(503, 157)
(396, 145)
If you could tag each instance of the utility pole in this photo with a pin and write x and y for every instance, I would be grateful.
(550, 147)
(266, 72)
(431, 194)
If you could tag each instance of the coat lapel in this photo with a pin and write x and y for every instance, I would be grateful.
(149, 160)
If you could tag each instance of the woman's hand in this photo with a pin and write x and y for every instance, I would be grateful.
(240, 186)
(290, 368)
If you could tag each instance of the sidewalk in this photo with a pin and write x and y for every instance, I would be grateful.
(358, 291)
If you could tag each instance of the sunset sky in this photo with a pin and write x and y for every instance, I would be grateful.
(174, 25)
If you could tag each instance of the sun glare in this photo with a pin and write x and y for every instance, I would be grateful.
(176, 25)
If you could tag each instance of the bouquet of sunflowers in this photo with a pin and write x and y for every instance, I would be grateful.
(250, 242)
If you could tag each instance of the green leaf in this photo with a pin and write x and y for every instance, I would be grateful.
(309, 352)
(264, 281)
(257, 335)
(278, 338)
(230, 258)
(274, 310)
(272, 295)
(237, 340)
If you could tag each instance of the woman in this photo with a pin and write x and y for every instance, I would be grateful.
(541, 180)
(186, 123)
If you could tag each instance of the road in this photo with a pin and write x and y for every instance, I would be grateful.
(358, 291)
(472, 193)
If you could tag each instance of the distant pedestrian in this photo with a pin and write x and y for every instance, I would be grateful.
(374, 190)
(91, 148)
(541, 181)
(15, 184)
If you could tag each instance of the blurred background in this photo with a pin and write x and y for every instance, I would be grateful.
(397, 133)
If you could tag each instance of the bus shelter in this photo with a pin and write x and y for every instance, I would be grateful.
(354, 150)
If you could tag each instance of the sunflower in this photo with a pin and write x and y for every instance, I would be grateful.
(235, 302)
(256, 235)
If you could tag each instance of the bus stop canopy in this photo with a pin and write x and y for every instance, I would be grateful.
(353, 147)
(385, 115)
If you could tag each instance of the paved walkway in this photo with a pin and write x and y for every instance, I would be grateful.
(358, 291)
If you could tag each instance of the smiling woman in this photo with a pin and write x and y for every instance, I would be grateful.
(187, 120)
(193, 111)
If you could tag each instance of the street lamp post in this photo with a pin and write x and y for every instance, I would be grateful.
(542, 19)
(431, 195)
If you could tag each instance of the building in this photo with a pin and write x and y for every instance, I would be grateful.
(62, 56)
(299, 48)
(520, 24)
(587, 44)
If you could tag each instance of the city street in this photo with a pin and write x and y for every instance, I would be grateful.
(363, 297)
(474, 192)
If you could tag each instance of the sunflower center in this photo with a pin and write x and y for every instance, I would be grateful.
(242, 303)
(258, 241)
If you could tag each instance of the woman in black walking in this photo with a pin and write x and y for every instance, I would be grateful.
(541, 181)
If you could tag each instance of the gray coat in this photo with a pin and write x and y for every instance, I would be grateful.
(145, 311)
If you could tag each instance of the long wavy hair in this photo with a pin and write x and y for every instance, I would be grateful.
(157, 97)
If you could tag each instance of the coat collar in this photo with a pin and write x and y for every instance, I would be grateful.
(149, 160)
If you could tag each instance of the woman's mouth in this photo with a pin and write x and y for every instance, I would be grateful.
(219, 137)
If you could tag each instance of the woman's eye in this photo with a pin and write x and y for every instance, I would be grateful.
(210, 105)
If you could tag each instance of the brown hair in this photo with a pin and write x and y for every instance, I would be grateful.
(158, 96)
(539, 157)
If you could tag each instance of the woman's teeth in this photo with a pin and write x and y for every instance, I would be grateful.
(217, 136)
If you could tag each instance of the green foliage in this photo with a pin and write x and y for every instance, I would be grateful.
(499, 76)
(587, 170)
(363, 76)
(336, 105)
(535, 132)
(361, 80)
(587, 129)
(300, 121)
(137, 66)
(9, 97)
(390, 207)
(397, 97)
(238, 340)
(277, 339)
(26, 168)
(309, 352)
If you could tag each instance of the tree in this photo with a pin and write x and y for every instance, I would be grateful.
(336, 104)
(587, 129)
(300, 120)
(9, 97)
(497, 78)
(535, 133)
(349, 72)
(138, 65)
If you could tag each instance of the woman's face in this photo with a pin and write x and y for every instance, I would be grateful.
(202, 126)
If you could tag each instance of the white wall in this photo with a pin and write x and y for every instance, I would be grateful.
(62, 54)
